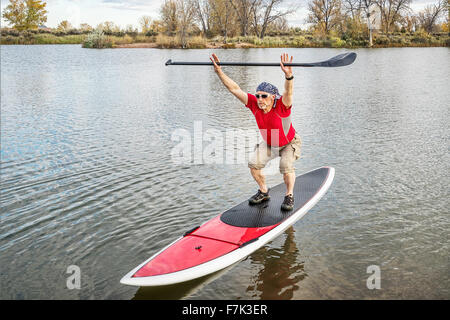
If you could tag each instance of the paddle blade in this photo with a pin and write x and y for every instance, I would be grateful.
(340, 60)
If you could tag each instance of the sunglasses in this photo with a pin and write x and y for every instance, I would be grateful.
(261, 96)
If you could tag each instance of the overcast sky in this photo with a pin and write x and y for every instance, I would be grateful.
(123, 13)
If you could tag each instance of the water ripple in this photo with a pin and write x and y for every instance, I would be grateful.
(87, 176)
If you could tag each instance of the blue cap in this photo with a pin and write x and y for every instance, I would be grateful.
(269, 88)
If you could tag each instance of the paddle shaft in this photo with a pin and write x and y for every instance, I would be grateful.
(245, 64)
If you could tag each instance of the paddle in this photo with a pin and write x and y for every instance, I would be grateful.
(341, 60)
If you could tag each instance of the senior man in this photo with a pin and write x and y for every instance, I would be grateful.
(273, 117)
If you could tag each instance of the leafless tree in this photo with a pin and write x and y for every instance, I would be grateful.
(169, 19)
(325, 14)
(280, 24)
(352, 8)
(203, 13)
(429, 16)
(368, 7)
(410, 22)
(392, 11)
(267, 11)
(145, 22)
(244, 10)
(185, 17)
(222, 12)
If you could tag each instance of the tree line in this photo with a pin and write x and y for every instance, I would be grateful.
(230, 18)
(385, 16)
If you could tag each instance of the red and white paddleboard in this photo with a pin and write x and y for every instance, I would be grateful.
(231, 236)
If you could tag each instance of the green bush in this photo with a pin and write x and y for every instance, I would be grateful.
(300, 42)
(397, 39)
(381, 40)
(165, 42)
(421, 37)
(97, 39)
(337, 42)
(447, 42)
(228, 46)
(126, 39)
(8, 39)
(74, 32)
(151, 33)
(196, 43)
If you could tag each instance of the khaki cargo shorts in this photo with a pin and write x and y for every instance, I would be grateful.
(288, 153)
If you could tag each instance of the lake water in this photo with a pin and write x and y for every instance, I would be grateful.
(88, 179)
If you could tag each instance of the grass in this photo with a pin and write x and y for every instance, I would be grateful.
(297, 40)
(43, 38)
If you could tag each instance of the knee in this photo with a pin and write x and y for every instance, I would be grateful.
(254, 164)
(286, 171)
(256, 172)
(286, 167)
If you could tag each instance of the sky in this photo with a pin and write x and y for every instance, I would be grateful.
(123, 13)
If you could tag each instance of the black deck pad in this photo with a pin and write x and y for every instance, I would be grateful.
(269, 212)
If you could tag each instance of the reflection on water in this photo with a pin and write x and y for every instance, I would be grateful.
(180, 290)
(87, 177)
(281, 273)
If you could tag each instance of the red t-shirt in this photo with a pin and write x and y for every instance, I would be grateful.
(276, 125)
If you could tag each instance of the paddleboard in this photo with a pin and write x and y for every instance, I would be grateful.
(230, 236)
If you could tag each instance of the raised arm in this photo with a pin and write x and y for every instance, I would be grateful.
(288, 84)
(228, 82)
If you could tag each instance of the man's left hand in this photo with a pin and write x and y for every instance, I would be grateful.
(286, 69)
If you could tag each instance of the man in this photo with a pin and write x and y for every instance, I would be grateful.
(272, 113)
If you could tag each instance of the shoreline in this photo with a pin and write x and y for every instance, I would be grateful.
(214, 45)
(152, 45)
(381, 41)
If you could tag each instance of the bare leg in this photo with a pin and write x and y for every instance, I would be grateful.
(260, 179)
(289, 180)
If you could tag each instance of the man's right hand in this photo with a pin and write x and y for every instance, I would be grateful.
(215, 61)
